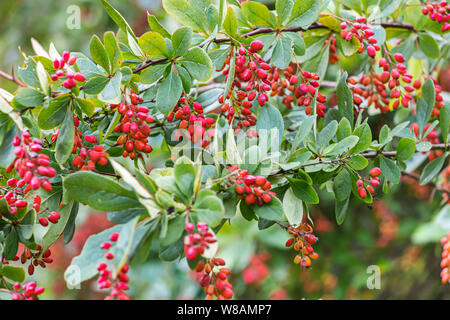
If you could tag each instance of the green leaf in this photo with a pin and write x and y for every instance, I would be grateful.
(157, 27)
(282, 53)
(208, 208)
(327, 133)
(344, 129)
(153, 73)
(11, 245)
(112, 50)
(303, 131)
(342, 186)
(54, 114)
(174, 231)
(345, 99)
(186, 13)
(86, 106)
(14, 273)
(292, 207)
(425, 104)
(169, 93)
(153, 44)
(185, 173)
(283, 9)
(270, 124)
(118, 18)
(84, 266)
(7, 155)
(181, 40)
(342, 146)
(99, 192)
(405, 149)
(299, 43)
(348, 48)
(54, 230)
(271, 211)
(66, 137)
(29, 97)
(444, 121)
(390, 169)
(428, 45)
(111, 93)
(95, 85)
(341, 209)
(198, 63)
(230, 24)
(256, 13)
(304, 191)
(98, 53)
(365, 139)
(304, 13)
(358, 162)
(432, 169)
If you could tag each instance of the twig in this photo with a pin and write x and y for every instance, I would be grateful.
(12, 78)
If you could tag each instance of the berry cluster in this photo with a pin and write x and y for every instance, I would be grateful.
(36, 258)
(192, 122)
(195, 243)
(31, 165)
(134, 127)
(256, 271)
(438, 11)
(303, 239)
(445, 262)
(302, 90)
(28, 291)
(360, 31)
(250, 188)
(213, 278)
(61, 72)
(391, 85)
(333, 57)
(251, 69)
(107, 279)
(364, 186)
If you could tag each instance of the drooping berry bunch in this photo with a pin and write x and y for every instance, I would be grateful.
(212, 276)
(438, 11)
(333, 57)
(32, 166)
(256, 270)
(61, 73)
(301, 89)
(365, 185)
(27, 291)
(107, 279)
(250, 188)
(387, 89)
(134, 127)
(88, 156)
(303, 240)
(251, 72)
(445, 262)
(195, 243)
(360, 30)
(36, 257)
(192, 122)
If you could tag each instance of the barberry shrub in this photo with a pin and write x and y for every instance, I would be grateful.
(258, 111)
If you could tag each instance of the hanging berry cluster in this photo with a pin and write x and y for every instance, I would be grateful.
(31, 165)
(387, 89)
(360, 31)
(303, 240)
(250, 188)
(37, 258)
(445, 262)
(192, 122)
(438, 11)
(212, 276)
(302, 91)
(61, 73)
(364, 185)
(134, 127)
(27, 291)
(250, 68)
(195, 243)
(108, 279)
(333, 57)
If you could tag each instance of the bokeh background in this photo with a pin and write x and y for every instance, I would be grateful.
(398, 233)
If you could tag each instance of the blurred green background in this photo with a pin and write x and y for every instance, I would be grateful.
(388, 235)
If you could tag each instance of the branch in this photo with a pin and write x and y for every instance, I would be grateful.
(12, 78)
(315, 25)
